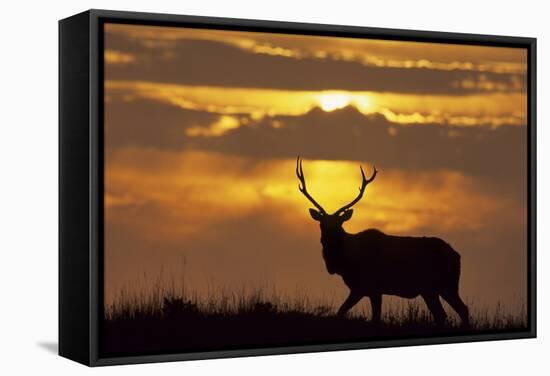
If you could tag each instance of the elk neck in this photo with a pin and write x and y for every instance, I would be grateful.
(333, 247)
(332, 237)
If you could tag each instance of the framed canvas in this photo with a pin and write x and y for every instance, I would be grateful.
(238, 187)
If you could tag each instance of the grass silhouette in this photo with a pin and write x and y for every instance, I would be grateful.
(165, 318)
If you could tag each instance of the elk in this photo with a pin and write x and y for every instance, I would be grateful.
(372, 263)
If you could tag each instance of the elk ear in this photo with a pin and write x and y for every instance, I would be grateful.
(346, 215)
(315, 214)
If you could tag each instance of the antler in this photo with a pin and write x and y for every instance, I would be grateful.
(302, 186)
(364, 184)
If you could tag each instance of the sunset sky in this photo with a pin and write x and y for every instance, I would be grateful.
(202, 130)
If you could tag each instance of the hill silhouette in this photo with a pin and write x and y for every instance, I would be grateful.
(165, 322)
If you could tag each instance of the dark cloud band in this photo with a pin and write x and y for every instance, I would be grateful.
(210, 63)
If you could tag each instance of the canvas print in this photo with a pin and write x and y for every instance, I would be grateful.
(270, 189)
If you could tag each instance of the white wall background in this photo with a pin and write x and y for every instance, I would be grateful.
(28, 185)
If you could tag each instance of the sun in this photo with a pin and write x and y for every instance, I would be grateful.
(333, 101)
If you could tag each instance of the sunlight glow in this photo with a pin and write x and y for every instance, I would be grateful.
(333, 101)
(441, 199)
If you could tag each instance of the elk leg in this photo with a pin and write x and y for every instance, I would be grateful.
(458, 305)
(376, 306)
(352, 300)
(435, 307)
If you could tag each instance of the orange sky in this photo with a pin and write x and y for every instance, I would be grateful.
(202, 129)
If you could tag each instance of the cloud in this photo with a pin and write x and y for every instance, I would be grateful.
(132, 121)
(498, 154)
(471, 110)
(175, 195)
(197, 62)
(369, 52)
(116, 57)
(348, 135)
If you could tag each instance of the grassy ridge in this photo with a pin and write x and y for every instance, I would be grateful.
(169, 319)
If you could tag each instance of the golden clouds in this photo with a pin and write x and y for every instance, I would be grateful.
(117, 57)
(368, 52)
(469, 110)
(224, 124)
(209, 187)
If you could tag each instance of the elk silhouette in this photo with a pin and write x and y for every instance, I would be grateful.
(372, 263)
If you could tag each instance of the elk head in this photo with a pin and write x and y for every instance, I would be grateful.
(331, 223)
(332, 233)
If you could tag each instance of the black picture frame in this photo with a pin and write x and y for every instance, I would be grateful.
(81, 176)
